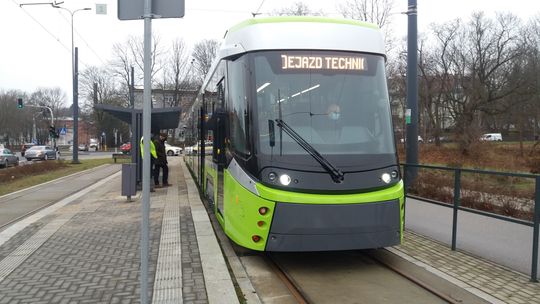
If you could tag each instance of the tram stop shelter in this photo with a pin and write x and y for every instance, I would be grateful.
(162, 118)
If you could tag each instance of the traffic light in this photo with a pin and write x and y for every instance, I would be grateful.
(52, 132)
(20, 104)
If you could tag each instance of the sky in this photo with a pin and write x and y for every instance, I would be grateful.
(35, 48)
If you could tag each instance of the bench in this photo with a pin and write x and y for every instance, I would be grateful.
(116, 156)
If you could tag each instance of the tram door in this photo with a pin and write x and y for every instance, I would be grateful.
(220, 190)
(219, 147)
(219, 161)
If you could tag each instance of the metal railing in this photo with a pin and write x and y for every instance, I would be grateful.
(411, 168)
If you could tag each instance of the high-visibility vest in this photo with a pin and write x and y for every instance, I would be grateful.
(152, 149)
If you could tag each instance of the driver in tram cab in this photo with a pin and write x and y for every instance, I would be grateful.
(333, 111)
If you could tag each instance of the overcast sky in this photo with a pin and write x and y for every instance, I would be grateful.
(35, 40)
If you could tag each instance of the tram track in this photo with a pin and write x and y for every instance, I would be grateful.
(313, 278)
(288, 281)
(416, 281)
(25, 215)
(18, 211)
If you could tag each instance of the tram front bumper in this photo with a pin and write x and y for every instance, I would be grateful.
(314, 227)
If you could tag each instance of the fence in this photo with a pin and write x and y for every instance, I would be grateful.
(412, 170)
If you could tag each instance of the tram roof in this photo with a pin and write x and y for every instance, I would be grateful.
(298, 33)
(302, 32)
(300, 19)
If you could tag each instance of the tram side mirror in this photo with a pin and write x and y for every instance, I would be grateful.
(272, 133)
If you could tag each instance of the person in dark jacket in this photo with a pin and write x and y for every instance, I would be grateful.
(161, 161)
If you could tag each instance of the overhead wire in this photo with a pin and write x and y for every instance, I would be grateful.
(257, 11)
(82, 38)
(43, 27)
(56, 38)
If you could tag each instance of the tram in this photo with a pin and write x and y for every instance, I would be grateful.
(293, 139)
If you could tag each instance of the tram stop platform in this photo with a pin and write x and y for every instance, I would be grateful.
(85, 248)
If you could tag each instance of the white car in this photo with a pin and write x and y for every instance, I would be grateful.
(491, 137)
(420, 139)
(172, 150)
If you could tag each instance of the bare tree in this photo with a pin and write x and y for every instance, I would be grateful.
(488, 52)
(436, 79)
(373, 11)
(203, 54)
(471, 66)
(378, 12)
(397, 73)
(474, 77)
(122, 65)
(175, 73)
(524, 104)
(534, 26)
(54, 98)
(99, 86)
(175, 69)
(131, 54)
(136, 46)
(297, 9)
(179, 67)
(15, 124)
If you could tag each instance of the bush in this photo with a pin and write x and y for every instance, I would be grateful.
(510, 207)
(14, 173)
(433, 185)
(534, 164)
(471, 199)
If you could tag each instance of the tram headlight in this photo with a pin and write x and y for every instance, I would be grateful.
(285, 180)
(394, 174)
(386, 178)
(272, 176)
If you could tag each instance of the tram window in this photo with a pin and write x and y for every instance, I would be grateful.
(221, 94)
(359, 122)
(238, 108)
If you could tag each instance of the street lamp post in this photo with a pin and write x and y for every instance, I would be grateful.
(74, 72)
(73, 75)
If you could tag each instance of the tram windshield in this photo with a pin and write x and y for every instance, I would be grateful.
(336, 101)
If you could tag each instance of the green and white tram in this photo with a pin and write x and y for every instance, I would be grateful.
(295, 147)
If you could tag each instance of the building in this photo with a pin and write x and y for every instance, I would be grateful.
(85, 132)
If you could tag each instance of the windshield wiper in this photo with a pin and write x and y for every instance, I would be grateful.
(336, 174)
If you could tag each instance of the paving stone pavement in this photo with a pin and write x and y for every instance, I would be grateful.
(503, 284)
(94, 255)
(92, 258)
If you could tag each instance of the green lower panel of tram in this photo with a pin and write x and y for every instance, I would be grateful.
(277, 220)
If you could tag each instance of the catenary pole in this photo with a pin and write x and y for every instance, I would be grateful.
(75, 159)
(412, 92)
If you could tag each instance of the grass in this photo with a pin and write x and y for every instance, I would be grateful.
(21, 177)
(494, 156)
(509, 196)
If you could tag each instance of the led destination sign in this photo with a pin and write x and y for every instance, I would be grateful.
(348, 63)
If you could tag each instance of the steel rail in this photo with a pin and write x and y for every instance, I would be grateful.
(48, 204)
(298, 294)
(29, 213)
(425, 286)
